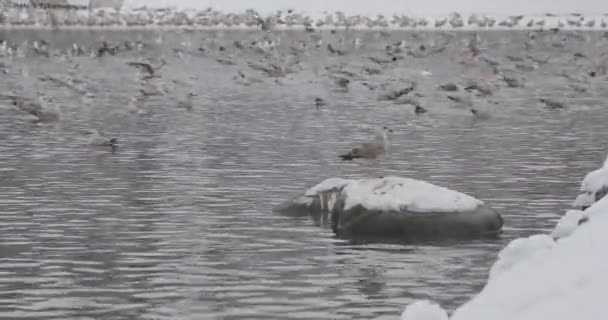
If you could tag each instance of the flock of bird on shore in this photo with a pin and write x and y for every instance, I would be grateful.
(271, 58)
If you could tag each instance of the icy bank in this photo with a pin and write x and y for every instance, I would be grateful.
(395, 207)
(544, 277)
(593, 188)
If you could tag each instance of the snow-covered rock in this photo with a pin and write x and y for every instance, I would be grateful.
(395, 207)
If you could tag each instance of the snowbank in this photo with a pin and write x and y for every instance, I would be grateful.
(565, 281)
(542, 278)
(593, 188)
(568, 223)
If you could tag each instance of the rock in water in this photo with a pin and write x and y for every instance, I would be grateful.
(395, 208)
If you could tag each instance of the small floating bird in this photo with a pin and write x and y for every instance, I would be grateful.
(97, 140)
(552, 104)
(147, 68)
(37, 109)
(419, 110)
(369, 150)
(319, 102)
(187, 104)
(448, 87)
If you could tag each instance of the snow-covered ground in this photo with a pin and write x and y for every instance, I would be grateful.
(173, 17)
(558, 277)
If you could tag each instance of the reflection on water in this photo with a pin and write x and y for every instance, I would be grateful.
(178, 224)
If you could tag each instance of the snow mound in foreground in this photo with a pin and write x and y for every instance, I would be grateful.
(424, 310)
(568, 223)
(567, 281)
(538, 278)
(520, 250)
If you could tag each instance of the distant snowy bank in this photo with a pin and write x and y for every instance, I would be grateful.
(24, 17)
(560, 276)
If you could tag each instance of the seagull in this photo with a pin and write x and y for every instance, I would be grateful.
(552, 104)
(97, 140)
(369, 150)
(35, 108)
(147, 68)
(188, 103)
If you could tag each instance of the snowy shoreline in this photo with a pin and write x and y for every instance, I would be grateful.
(210, 19)
(558, 276)
(278, 28)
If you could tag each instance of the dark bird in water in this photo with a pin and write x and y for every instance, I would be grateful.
(105, 48)
(420, 110)
(333, 50)
(112, 143)
(319, 102)
(552, 104)
(449, 87)
(342, 82)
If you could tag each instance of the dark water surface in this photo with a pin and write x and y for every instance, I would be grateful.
(177, 224)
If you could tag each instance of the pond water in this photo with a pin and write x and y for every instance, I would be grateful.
(178, 222)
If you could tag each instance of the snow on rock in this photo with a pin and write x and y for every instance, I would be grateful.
(424, 310)
(404, 194)
(327, 185)
(519, 250)
(567, 224)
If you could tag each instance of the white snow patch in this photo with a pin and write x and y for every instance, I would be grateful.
(424, 310)
(598, 209)
(303, 200)
(519, 250)
(567, 224)
(584, 200)
(397, 194)
(327, 185)
(595, 180)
